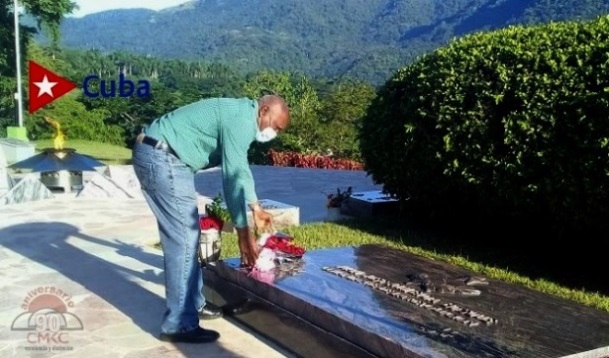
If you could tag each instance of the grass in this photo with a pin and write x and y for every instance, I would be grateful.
(353, 233)
(104, 152)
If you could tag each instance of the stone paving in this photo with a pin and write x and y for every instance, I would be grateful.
(97, 256)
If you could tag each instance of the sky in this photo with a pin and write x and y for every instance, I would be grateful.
(91, 6)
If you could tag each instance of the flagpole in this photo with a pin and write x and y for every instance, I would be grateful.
(19, 94)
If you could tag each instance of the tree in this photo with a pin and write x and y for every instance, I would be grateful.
(304, 129)
(47, 15)
(347, 102)
(76, 120)
(341, 114)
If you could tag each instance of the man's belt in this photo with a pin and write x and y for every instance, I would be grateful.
(156, 144)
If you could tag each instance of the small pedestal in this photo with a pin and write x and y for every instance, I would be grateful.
(284, 215)
(369, 204)
(63, 180)
(18, 133)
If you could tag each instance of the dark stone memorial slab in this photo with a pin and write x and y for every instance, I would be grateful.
(369, 204)
(374, 301)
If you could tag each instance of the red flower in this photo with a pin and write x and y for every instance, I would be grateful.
(284, 245)
(210, 222)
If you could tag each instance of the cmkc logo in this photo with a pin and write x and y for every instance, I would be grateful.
(46, 86)
(46, 320)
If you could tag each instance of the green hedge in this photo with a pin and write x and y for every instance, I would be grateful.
(509, 123)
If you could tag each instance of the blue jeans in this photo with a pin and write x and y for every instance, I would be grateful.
(169, 188)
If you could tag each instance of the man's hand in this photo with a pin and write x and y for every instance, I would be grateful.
(247, 247)
(262, 219)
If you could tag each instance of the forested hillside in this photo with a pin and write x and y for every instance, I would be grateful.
(325, 58)
(325, 113)
(367, 39)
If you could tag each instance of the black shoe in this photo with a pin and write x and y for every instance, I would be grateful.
(197, 335)
(209, 312)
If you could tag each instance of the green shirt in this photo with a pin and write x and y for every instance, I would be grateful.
(214, 132)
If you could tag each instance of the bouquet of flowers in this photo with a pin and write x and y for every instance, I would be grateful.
(215, 215)
(211, 227)
(282, 245)
(337, 200)
(274, 248)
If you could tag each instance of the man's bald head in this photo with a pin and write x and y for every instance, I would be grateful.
(273, 99)
(273, 111)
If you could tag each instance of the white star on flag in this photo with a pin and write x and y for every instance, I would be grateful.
(45, 86)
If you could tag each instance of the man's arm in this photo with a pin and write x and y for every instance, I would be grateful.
(237, 178)
(239, 189)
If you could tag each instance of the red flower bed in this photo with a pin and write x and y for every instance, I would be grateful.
(299, 160)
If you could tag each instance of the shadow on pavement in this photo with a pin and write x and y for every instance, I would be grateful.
(107, 280)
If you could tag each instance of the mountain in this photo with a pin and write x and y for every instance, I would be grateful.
(366, 39)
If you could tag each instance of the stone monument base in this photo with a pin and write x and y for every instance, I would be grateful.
(373, 301)
(30, 188)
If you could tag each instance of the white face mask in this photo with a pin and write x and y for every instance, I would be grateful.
(266, 135)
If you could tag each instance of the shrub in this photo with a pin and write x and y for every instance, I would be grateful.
(509, 122)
